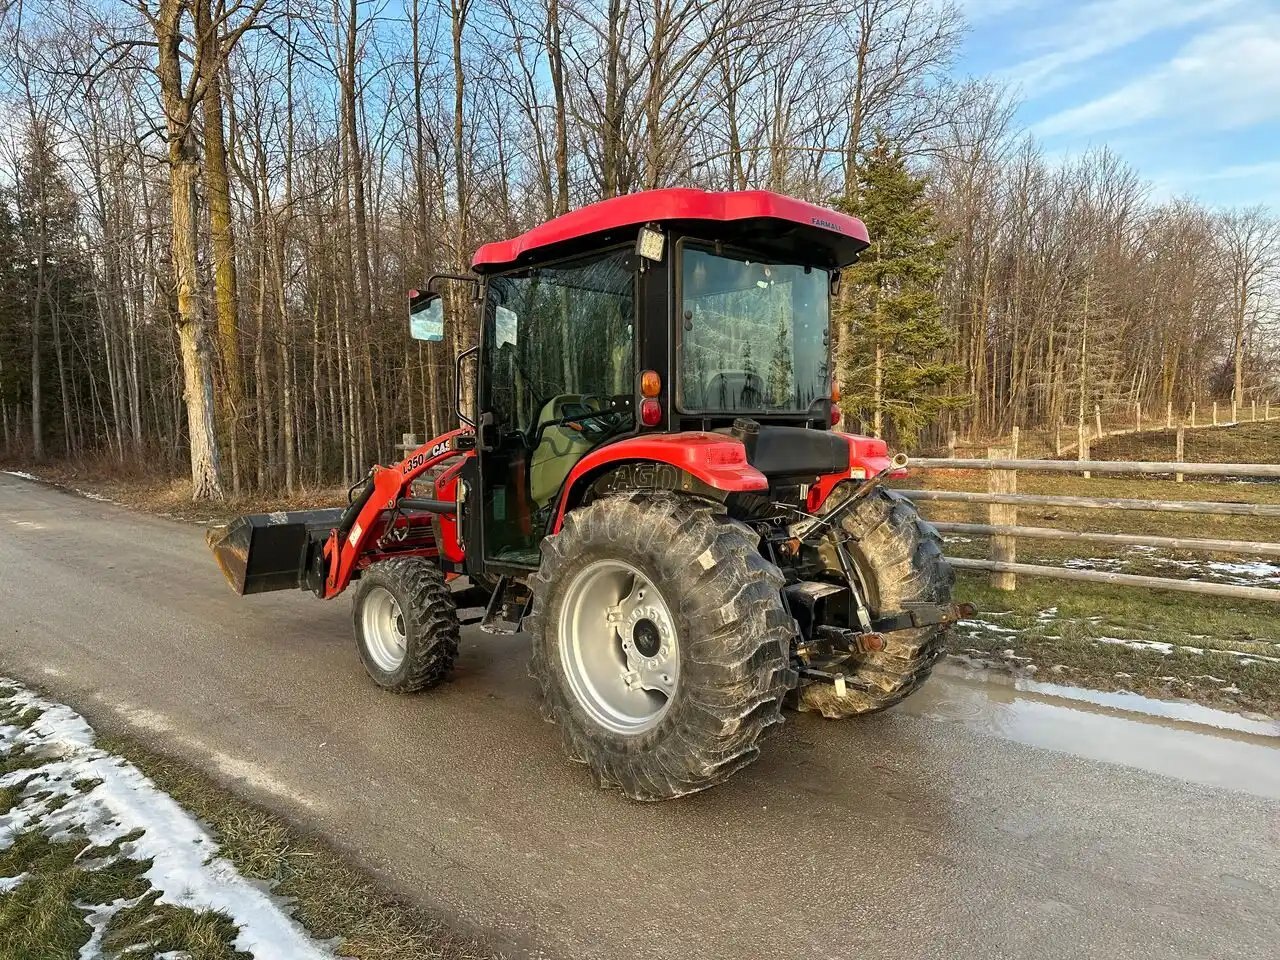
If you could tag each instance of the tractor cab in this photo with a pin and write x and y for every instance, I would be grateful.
(668, 312)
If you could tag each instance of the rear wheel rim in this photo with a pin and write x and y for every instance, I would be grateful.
(618, 646)
(384, 630)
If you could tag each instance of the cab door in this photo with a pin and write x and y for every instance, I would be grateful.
(557, 378)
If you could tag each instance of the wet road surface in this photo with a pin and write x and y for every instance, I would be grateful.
(974, 821)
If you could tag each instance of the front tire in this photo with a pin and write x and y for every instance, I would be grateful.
(660, 643)
(406, 624)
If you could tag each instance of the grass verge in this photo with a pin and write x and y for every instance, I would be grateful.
(1217, 651)
(1220, 653)
(62, 897)
(332, 899)
(135, 487)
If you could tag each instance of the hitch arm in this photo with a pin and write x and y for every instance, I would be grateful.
(812, 528)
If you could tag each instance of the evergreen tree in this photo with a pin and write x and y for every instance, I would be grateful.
(781, 372)
(894, 343)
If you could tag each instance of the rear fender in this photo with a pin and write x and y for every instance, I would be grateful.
(354, 543)
(867, 457)
(694, 462)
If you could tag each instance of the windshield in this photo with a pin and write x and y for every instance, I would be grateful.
(753, 336)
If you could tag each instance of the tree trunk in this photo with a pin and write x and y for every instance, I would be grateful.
(184, 169)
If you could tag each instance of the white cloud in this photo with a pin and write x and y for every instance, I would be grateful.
(1238, 183)
(1098, 28)
(1224, 79)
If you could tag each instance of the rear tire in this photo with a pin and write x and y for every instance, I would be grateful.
(713, 607)
(406, 624)
(899, 558)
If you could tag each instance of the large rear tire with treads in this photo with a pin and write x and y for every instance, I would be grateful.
(898, 557)
(660, 642)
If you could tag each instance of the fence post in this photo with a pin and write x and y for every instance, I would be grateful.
(1266, 415)
(951, 444)
(1057, 439)
(1168, 416)
(1182, 434)
(1097, 418)
(1193, 414)
(1253, 412)
(1013, 442)
(1138, 417)
(1215, 413)
(1235, 413)
(1003, 549)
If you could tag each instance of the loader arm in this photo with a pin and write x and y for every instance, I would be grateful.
(367, 530)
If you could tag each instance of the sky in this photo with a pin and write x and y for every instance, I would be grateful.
(1187, 91)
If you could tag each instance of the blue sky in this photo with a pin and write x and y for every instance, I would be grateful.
(1188, 91)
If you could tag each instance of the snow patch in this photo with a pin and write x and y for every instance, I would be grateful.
(21, 474)
(1247, 573)
(185, 867)
(90, 495)
(9, 883)
(980, 625)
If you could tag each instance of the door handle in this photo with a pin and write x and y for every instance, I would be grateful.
(487, 431)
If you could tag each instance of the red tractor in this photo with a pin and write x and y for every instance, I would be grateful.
(650, 485)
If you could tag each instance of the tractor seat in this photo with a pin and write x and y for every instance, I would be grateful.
(561, 446)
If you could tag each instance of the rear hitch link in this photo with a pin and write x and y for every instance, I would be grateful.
(813, 527)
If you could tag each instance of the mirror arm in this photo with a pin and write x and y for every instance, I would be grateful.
(433, 287)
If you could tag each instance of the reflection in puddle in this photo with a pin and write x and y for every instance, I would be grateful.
(1182, 740)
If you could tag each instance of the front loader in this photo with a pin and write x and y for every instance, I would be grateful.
(650, 485)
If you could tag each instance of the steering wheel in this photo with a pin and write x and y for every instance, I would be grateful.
(580, 421)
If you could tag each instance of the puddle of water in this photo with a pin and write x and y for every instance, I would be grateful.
(1186, 741)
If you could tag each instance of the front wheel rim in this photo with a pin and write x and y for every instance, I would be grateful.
(619, 647)
(382, 624)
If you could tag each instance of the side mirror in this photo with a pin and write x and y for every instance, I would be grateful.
(426, 316)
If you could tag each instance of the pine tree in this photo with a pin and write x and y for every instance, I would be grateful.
(894, 343)
(780, 366)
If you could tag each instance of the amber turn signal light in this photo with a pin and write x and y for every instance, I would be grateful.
(650, 383)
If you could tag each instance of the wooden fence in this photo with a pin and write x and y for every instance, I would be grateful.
(1081, 434)
(1002, 525)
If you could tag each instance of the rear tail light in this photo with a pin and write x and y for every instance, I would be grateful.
(835, 403)
(650, 384)
(650, 412)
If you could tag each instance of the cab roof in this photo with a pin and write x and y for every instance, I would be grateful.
(768, 222)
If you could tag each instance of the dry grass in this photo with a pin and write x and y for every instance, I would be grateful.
(44, 916)
(135, 485)
(328, 896)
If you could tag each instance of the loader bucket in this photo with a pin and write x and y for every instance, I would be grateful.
(271, 551)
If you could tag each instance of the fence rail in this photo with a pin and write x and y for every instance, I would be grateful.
(1104, 466)
(1127, 419)
(1207, 507)
(1003, 529)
